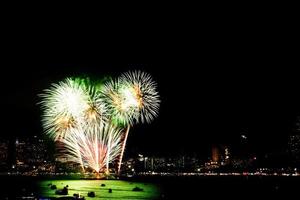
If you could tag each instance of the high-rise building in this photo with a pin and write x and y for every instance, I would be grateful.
(21, 153)
(294, 146)
(294, 141)
(3, 154)
(215, 154)
(227, 155)
(30, 152)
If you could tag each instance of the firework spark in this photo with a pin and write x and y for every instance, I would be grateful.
(121, 113)
(63, 107)
(140, 92)
(94, 147)
(96, 112)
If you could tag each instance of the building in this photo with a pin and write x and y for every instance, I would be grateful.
(31, 153)
(162, 164)
(21, 153)
(227, 155)
(294, 142)
(220, 157)
(4, 154)
(215, 154)
(294, 146)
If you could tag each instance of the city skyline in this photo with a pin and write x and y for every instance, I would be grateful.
(31, 156)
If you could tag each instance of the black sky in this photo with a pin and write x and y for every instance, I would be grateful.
(218, 78)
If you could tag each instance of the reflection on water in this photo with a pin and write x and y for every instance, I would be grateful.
(98, 189)
(237, 187)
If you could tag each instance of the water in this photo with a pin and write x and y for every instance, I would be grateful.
(119, 189)
(237, 187)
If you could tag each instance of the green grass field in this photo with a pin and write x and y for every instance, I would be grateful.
(120, 189)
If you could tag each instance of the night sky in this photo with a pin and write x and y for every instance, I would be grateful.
(216, 82)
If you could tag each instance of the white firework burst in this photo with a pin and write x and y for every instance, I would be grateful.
(120, 112)
(94, 147)
(140, 92)
(96, 112)
(63, 106)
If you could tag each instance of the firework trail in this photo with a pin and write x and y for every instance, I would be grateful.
(96, 148)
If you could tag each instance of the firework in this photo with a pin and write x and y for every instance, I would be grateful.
(120, 111)
(63, 107)
(93, 123)
(140, 93)
(96, 112)
(75, 115)
(94, 147)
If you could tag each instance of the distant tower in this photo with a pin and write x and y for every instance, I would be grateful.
(294, 145)
(21, 153)
(227, 156)
(3, 153)
(294, 141)
(215, 154)
(227, 153)
(152, 164)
